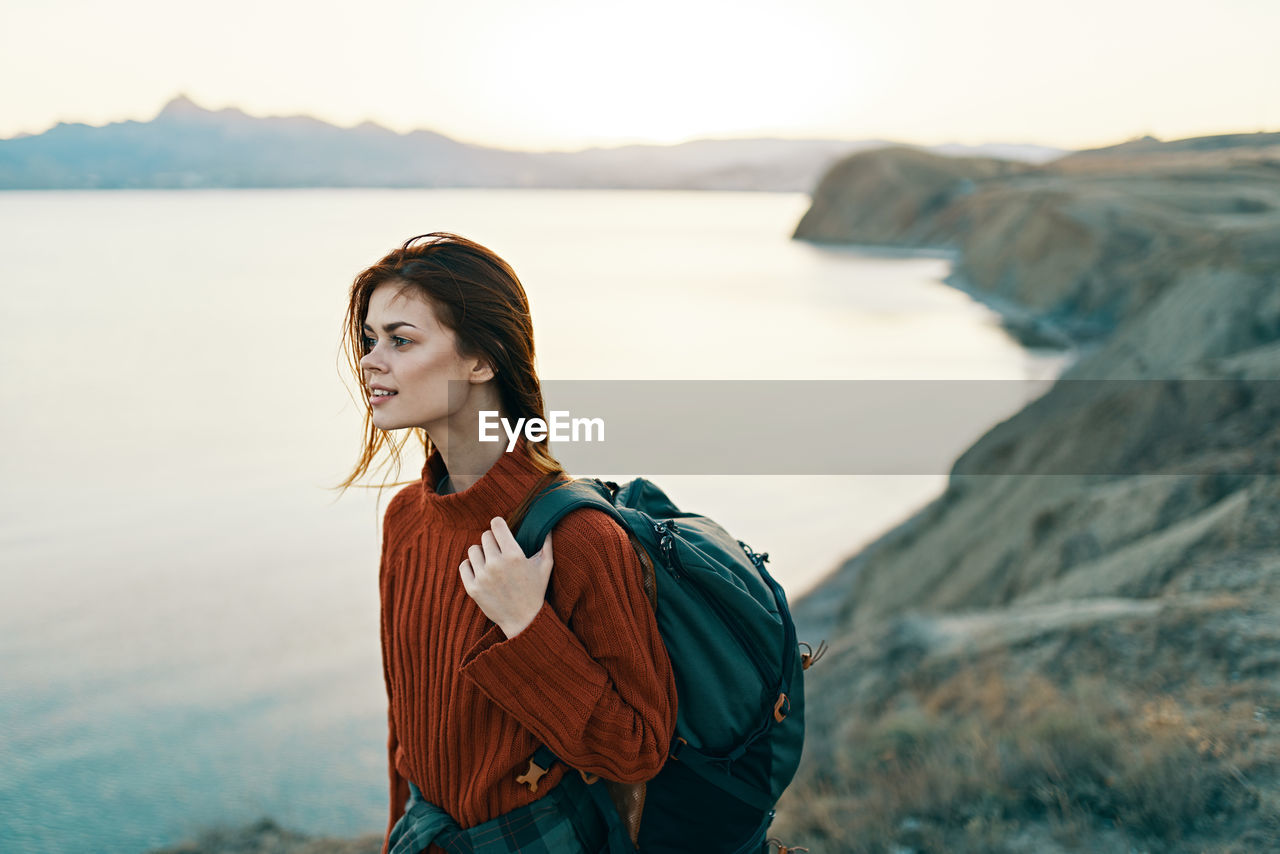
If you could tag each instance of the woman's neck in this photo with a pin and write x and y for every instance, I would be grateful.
(465, 457)
(467, 462)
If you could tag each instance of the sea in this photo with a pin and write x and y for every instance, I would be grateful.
(189, 610)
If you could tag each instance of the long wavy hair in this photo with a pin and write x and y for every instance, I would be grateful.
(478, 296)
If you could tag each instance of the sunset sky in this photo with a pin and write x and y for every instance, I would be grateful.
(567, 74)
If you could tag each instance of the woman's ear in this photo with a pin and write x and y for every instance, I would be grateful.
(481, 371)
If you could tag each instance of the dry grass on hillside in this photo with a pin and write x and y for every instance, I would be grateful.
(981, 764)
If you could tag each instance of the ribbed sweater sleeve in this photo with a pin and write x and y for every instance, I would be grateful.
(589, 676)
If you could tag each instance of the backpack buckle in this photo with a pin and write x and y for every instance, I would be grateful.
(782, 708)
(531, 777)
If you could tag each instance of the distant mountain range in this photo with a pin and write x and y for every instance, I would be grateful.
(187, 146)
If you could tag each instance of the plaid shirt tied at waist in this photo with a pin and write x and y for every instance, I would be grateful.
(565, 821)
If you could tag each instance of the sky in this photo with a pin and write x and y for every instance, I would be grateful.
(570, 74)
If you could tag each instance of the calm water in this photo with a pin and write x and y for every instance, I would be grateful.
(188, 630)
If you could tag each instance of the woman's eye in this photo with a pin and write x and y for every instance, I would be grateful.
(396, 341)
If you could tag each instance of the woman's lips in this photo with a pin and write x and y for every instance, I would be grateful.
(375, 399)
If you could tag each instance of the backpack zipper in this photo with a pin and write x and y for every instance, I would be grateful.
(671, 556)
(666, 531)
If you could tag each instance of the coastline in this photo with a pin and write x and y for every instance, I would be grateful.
(1017, 635)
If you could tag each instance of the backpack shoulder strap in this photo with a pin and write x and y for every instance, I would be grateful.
(554, 503)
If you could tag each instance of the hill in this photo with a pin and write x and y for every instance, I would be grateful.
(187, 146)
(1076, 646)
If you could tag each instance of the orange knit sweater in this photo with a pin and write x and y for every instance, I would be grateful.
(589, 677)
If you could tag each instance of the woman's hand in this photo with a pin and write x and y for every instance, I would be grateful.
(507, 586)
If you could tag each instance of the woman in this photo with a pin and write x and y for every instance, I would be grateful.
(488, 654)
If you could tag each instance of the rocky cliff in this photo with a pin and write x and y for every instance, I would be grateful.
(1077, 646)
(1081, 243)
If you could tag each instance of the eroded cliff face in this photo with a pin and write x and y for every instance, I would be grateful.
(889, 196)
(1083, 243)
(1121, 531)
(1197, 298)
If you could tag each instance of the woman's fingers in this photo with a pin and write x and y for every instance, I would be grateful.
(490, 546)
(505, 539)
(544, 555)
(509, 587)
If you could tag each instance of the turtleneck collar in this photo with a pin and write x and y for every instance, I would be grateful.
(497, 493)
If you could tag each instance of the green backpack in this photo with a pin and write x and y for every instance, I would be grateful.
(738, 671)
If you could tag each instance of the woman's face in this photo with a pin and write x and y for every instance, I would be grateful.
(409, 352)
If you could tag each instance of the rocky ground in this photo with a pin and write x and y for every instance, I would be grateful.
(266, 837)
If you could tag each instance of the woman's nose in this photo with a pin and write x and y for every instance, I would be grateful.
(372, 360)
